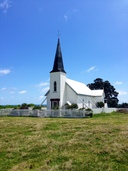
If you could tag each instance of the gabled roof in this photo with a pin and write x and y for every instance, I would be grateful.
(97, 92)
(82, 89)
(58, 61)
(79, 87)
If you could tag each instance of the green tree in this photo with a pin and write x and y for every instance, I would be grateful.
(109, 90)
(100, 104)
(123, 105)
(24, 106)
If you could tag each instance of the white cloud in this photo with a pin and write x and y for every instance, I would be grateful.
(42, 84)
(118, 83)
(5, 5)
(122, 93)
(91, 68)
(4, 88)
(41, 97)
(4, 71)
(70, 13)
(12, 92)
(44, 90)
(66, 17)
(22, 92)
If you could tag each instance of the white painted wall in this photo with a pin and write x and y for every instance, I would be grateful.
(70, 95)
(62, 89)
(66, 93)
(60, 79)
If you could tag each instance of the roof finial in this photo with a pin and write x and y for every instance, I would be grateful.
(59, 34)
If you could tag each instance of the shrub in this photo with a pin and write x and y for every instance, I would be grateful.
(122, 111)
(100, 104)
(37, 107)
(72, 106)
(88, 112)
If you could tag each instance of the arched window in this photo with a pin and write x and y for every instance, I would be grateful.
(55, 86)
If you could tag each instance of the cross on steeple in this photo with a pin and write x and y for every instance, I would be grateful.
(59, 34)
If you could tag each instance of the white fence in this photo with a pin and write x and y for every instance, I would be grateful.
(53, 113)
(44, 113)
(104, 110)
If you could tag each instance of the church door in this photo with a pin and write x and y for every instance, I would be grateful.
(55, 103)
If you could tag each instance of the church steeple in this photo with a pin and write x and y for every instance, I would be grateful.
(58, 61)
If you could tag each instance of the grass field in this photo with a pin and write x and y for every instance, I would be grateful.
(59, 144)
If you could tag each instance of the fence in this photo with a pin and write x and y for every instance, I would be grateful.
(54, 113)
(104, 110)
(43, 113)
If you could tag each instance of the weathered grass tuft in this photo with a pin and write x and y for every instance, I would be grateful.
(41, 144)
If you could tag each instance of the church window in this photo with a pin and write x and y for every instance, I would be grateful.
(55, 86)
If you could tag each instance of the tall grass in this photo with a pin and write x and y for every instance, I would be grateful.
(60, 144)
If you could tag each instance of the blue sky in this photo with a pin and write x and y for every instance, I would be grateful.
(94, 43)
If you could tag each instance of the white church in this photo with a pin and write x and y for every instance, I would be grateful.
(66, 91)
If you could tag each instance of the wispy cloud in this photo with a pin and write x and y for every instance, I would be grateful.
(11, 92)
(5, 5)
(41, 98)
(70, 13)
(4, 71)
(42, 84)
(66, 17)
(22, 92)
(44, 90)
(4, 88)
(91, 68)
(122, 93)
(118, 83)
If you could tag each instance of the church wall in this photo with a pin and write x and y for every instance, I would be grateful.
(99, 99)
(62, 89)
(70, 95)
(59, 78)
(54, 77)
(84, 101)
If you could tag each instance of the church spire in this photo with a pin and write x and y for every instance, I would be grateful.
(58, 61)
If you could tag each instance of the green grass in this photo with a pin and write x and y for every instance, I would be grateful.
(60, 144)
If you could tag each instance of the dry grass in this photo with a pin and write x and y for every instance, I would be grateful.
(44, 144)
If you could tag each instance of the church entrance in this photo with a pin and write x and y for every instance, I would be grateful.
(54, 103)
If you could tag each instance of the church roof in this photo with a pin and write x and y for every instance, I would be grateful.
(58, 61)
(97, 92)
(78, 87)
(82, 89)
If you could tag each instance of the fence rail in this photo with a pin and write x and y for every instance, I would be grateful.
(43, 113)
(55, 113)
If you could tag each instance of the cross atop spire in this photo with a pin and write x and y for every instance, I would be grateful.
(59, 34)
(58, 61)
